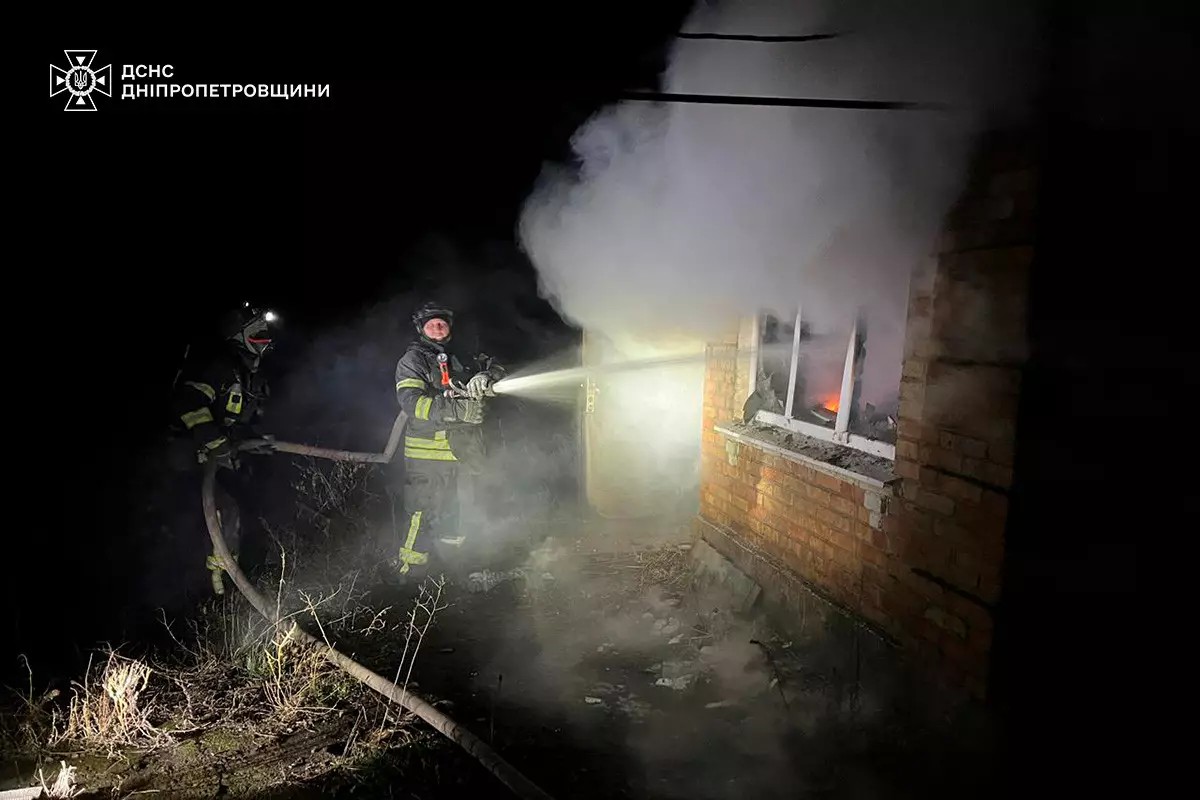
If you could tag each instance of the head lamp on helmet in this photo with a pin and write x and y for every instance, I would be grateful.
(250, 328)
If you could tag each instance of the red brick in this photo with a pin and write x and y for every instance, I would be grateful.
(879, 541)
(994, 503)
(875, 614)
(773, 491)
(937, 503)
(963, 576)
(861, 530)
(775, 528)
(771, 474)
(907, 469)
(947, 440)
(983, 526)
(943, 458)
(913, 517)
(923, 587)
(927, 434)
(907, 448)
(820, 530)
(912, 390)
(953, 532)
(801, 471)
(827, 482)
(744, 490)
(926, 631)
(843, 557)
(872, 555)
(899, 600)
(958, 489)
(912, 407)
(908, 428)
(847, 582)
(834, 520)
(843, 506)
(978, 620)
(915, 367)
(1000, 453)
(958, 654)
(997, 474)
(817, 496)
(929, 477)
(989, 588)
(972, 448)
(775, 507)
(798, 532)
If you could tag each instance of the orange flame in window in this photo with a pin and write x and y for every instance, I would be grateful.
(832, 402)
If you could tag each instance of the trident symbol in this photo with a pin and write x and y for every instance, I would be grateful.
(80, 80)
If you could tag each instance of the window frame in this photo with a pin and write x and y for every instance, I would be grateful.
(840, 433)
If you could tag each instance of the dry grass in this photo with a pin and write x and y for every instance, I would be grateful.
(28, 725)
(425, 607)
(64, 782)
(297, 679)
(107, 712)
(333, 487)
(236, 662)
(229, 669)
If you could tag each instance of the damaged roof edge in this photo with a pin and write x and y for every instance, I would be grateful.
(864, 469)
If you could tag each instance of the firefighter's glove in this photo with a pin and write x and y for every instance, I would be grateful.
(480, 386)
(221, 451)
(468, 411)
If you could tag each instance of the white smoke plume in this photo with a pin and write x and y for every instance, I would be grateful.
(676, 219)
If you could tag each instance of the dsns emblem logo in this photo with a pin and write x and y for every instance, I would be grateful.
(80, 80)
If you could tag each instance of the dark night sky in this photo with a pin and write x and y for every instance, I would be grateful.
(321, 208)
(148, 214)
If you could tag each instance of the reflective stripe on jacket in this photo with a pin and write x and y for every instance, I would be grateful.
(419, 392)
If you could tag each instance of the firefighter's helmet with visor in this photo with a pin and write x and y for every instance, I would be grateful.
(250, 327)
(432, 310)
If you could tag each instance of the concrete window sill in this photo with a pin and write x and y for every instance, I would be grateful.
(871, 472)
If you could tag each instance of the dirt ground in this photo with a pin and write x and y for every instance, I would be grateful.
(615, 674)
(601, 668)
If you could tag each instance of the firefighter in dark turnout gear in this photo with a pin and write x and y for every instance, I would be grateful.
(443, 399)
(218, 399)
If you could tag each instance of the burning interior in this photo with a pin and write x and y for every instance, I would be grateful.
(825, 382)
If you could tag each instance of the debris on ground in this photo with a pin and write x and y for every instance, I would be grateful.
(666, 627)
(668, 567)
(678, 684)
(615, 630)
(486, 580)
(678, 675)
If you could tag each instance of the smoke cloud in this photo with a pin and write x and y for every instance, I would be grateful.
(677, 219)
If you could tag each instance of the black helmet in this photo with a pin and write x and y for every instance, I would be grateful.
(249, 327)
(431, 310)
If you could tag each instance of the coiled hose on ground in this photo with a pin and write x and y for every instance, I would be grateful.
(485, 755)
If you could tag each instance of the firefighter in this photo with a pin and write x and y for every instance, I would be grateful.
(443, 437)
(218, 398)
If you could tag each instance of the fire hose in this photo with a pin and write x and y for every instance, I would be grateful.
(472, 744)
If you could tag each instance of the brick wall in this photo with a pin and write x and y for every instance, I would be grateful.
(920, 556)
